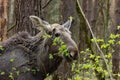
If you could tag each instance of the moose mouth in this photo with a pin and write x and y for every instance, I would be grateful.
(72, 55)
(65, 50)
(69, 54)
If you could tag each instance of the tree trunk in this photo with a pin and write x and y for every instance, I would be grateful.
(68, 9)
(116, 56)
(3, 19)
(11, 17)
(23, 9)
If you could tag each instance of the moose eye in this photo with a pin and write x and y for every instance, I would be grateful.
(54, 30)
(57, 34)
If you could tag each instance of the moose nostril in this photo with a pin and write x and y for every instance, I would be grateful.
(57, 34)
(74, 55)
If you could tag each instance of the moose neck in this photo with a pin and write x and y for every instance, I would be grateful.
(45, 64)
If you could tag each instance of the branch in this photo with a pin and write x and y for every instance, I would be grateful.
(87, 23)
(13, 25)
(46, 4)
(10, 28)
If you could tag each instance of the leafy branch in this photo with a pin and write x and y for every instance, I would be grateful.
(82, 15)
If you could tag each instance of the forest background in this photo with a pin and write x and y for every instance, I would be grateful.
(94, 21)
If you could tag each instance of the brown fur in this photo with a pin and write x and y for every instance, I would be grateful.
(33, 53)
(20, 47)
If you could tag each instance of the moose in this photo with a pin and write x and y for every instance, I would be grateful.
(26, 57)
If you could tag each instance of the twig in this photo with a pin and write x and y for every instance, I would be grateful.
(46, 4)
(10, 28)
(102, 54)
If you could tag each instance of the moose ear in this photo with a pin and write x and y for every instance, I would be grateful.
(67, 24)
(40, 23)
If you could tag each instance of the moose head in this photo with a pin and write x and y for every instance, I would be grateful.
(57, 30)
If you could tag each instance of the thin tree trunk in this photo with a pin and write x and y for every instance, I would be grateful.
(3, 19)
(11, 17)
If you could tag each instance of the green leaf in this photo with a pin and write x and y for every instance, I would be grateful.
(111, 42)
(93, 40)
(50, 56)
(105, 72)
(56, 41)
(104, 46)
(28, 69)
(87, 50)
(118, 27)
(114, 36)
(78, 77)
(99, 69)
(2, 73)
(17, 72)
(119, 74)
(100, 40)
(118, 42)
(71, 18)
(13, 68)
(1, 48)
(82, 52)
(34, 71)
(86, 66)
(63, 47)
(109, 55)
(11, 76)
(12, 60)
(92, 56)
(73, 67)
(46, 36)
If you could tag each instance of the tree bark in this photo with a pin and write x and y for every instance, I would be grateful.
(23, 9)
(11, 17)
(3, 19)
(116, 47)
(68, 9)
